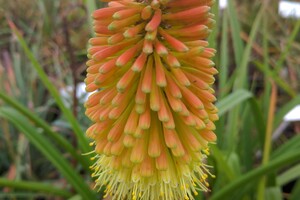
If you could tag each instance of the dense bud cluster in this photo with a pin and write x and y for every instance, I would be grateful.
(152, 108)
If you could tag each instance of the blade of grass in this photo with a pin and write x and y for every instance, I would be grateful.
(268, 140)
(48, 150)
(243, 67)
(296, 191)
(35, 186)
(273, 193)
(238, 45)
(258, 118)
(241, 82)
(247, 140)
(224, 106)
(232, 100)
(253, 175)
(266, 61)
(83, 143)
(273, 75)
(223, 57)
(62, 142)
(223, 73)
(221, 163)
(288, 46)
(290, 146)
(19, 195)
(7, 138)
(289, 175)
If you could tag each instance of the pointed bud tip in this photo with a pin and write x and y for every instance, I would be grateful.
(116, 16)
(111, 27)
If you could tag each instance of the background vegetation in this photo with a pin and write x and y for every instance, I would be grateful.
(43, 51)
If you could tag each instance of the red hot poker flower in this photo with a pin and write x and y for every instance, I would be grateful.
(152, 109)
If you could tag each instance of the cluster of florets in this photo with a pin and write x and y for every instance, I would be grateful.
(152, 108)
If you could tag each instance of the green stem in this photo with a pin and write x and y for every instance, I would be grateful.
(34, 186)
(272, 166)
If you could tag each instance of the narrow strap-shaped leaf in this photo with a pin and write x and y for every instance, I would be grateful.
(35, 186)
(291, 40)
(275, 76)
(289, 175)
(83, 143)
(235, 31)
(49, 151)
(238, 97)
(233, 100)
(62, 142)
(296, 191)
(293, 144)
(253, 175)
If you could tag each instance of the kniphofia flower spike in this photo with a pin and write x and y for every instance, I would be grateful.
(152, 108)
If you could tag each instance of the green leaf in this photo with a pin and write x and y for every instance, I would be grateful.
(296, 191)
(222, 165)
(76, 197)
(233, 100)
(234, 163)
(223, 68)
(288, 46)
(289, 175)
(20, 195)
(253, 175)
(290, 146)
(48, 150)
(258, 118)
(62, 142)
(242, 57)
(83, 143)
(273, 193)
(238, 97)
(34, 186)
(238, 45)
(241, 79)
(275, 76)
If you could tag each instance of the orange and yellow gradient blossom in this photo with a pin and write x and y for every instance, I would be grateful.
(152, 108)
